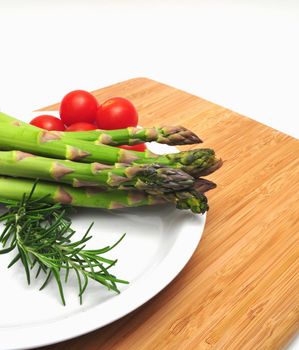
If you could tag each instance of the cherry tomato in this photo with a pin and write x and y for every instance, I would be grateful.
(140, 148)
(116, 113)
(81, 127)
(78, 106)
(48, 122)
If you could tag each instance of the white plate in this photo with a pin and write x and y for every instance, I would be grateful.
(159, 242)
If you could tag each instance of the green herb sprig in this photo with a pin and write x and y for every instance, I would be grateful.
(41, 235)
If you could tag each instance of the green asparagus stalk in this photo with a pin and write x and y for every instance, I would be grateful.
(14, 188)
(5, 118)
(150, 178)
(170, 135)
(50, 144)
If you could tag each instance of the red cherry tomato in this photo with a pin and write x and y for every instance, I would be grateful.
(48, 122)
(116, 113)
(78, 106)
(140, 148)
(81, 127)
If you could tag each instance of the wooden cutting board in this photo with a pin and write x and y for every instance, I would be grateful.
(240, 290)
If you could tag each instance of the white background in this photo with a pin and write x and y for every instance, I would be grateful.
(243, 55)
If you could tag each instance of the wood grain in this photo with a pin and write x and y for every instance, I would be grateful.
(240, 290)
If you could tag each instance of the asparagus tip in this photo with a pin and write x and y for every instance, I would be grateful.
(178, 135)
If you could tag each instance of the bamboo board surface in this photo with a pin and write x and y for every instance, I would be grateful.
(240, 289)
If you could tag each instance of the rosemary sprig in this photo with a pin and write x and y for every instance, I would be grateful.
(41, 233)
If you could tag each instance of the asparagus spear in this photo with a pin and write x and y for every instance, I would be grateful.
(47, 143)
(51, 144)
(170, 135)
(150, 178)
(14, 188)
(5, 118)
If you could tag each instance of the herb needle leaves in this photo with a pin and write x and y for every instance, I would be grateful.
(41, 233)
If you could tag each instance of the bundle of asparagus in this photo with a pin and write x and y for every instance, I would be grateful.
(86, 169)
